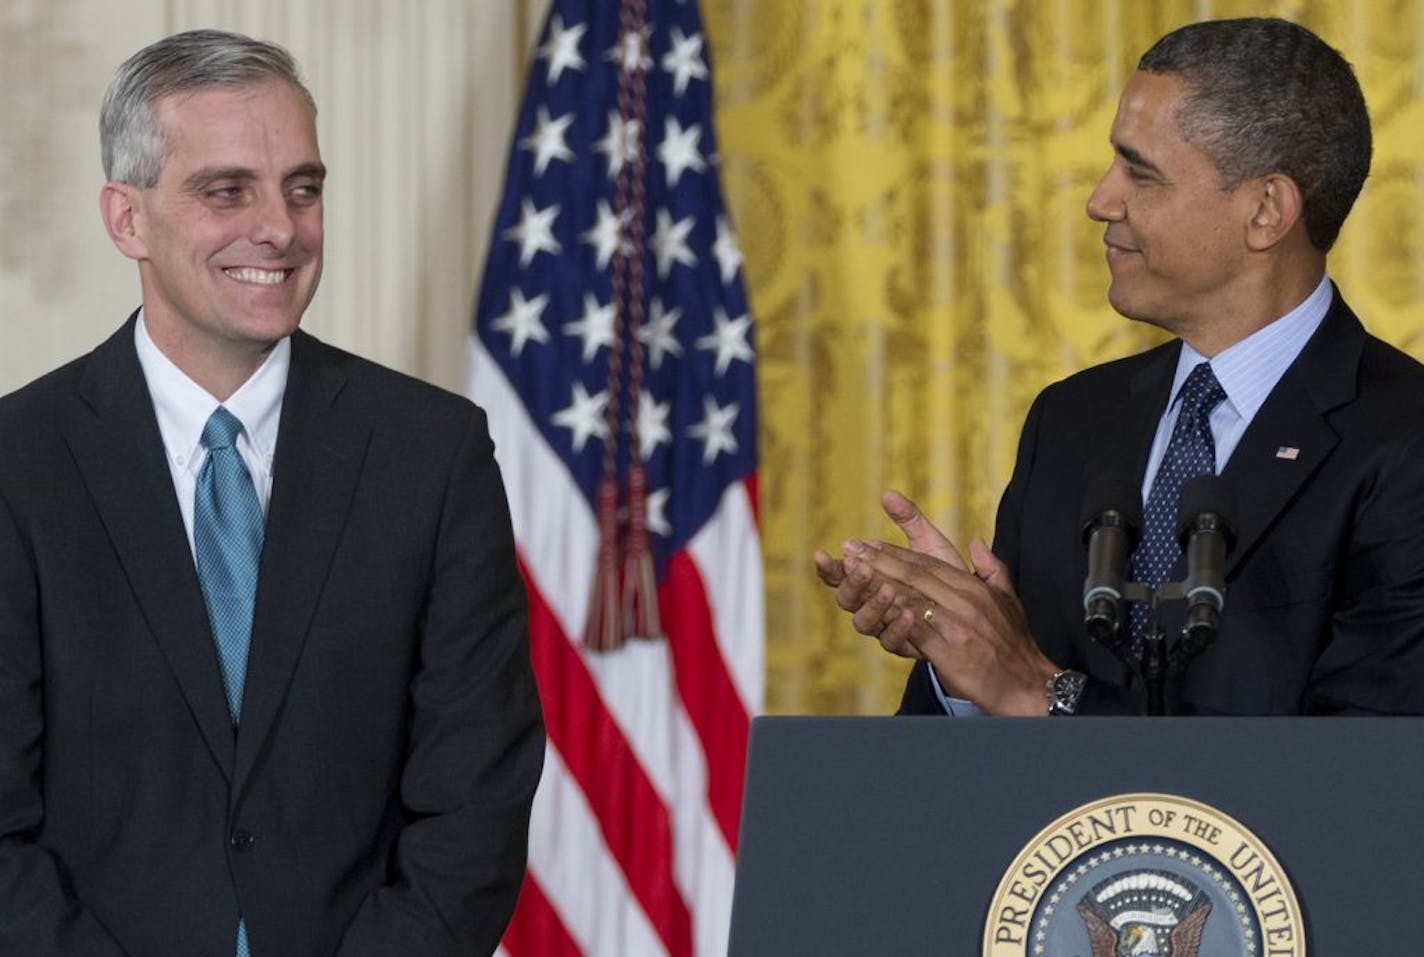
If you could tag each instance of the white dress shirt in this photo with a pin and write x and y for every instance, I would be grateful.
(183, 408)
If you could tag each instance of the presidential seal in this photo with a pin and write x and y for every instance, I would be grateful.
(1145, 875)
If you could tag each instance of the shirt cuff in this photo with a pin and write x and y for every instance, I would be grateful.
(954, 707)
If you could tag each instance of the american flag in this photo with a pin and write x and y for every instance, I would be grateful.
(634, 831)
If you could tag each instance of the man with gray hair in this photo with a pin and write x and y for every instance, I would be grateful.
(265, 684)
(1239, 148)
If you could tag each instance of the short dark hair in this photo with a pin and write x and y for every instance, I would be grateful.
(130, 136)
(1269, 96)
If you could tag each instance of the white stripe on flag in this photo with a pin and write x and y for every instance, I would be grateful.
(727, 551)
(583, 883)
(552, 523)
(704, 865)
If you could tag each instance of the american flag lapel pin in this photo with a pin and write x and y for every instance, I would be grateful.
(1288, 452)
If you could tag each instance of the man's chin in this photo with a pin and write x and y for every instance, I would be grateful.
(1129, 308)
(265, 328)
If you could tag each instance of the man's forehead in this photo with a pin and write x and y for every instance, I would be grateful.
(211, 104)
(1150, 99)
(212, 121)
(1147, 113)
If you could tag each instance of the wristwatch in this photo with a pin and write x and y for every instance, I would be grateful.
(1063, 691)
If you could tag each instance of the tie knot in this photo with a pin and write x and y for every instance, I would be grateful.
(221, 430)
(1201, 392)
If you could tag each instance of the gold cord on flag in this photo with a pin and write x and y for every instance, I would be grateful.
(624, 603)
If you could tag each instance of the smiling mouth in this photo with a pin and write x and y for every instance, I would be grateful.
(1112, 243)
(259, 277)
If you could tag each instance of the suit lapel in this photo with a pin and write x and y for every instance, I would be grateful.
(1134, 423)
(317, 464)
(1289, 437)
(114, 438)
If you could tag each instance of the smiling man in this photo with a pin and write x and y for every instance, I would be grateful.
(264, 675)
(228, 239)
(1239, 147)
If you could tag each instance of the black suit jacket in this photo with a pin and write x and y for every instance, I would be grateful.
(375, 799)
(1325, 587)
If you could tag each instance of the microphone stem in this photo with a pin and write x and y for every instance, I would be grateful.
(1154, 665)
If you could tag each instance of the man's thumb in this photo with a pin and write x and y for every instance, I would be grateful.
(919, 531)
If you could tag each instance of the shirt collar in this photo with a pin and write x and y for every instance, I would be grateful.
(1248, 370)
(183, 407)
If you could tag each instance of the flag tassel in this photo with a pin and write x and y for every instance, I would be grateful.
(640, 586)
(603, 629)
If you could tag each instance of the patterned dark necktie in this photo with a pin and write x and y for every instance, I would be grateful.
(1190, 452)
(227, 540)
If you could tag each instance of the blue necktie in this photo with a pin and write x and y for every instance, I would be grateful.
(1190, 452)
(227, 540)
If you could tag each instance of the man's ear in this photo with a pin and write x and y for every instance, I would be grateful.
(121, 208)
(1279, 207)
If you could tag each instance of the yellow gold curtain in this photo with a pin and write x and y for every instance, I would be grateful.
(908, 180)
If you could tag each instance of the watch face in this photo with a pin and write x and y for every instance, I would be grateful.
(1067, 689)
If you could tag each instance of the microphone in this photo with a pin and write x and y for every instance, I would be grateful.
(1112, 521)
(1205, 532)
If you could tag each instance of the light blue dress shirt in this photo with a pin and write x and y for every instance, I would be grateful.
(1247, 370)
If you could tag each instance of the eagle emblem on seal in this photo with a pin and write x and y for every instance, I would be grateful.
(1148, 913)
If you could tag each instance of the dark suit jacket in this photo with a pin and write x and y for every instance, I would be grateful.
(375, 799)
(1325, 587)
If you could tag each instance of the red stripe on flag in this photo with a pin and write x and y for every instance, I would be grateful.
(631, 815)
(708, 693)
(752, 493)
(536, 930)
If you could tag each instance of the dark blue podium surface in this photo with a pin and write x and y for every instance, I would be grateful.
(891, 835)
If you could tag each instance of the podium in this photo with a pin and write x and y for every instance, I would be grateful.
(896, 835)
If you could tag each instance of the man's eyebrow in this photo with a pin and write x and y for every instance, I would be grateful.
(1136, 158)
(241, 174)
(208, 174)
(308, 170)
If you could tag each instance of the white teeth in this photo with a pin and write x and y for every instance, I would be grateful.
(264, 277)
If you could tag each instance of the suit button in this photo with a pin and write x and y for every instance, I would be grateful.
(242, 840)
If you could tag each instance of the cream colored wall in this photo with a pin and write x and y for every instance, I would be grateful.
(416, 101)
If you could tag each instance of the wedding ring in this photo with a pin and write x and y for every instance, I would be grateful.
(929, 615)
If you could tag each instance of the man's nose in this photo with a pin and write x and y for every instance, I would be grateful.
(272, 222)
(1105, 201)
